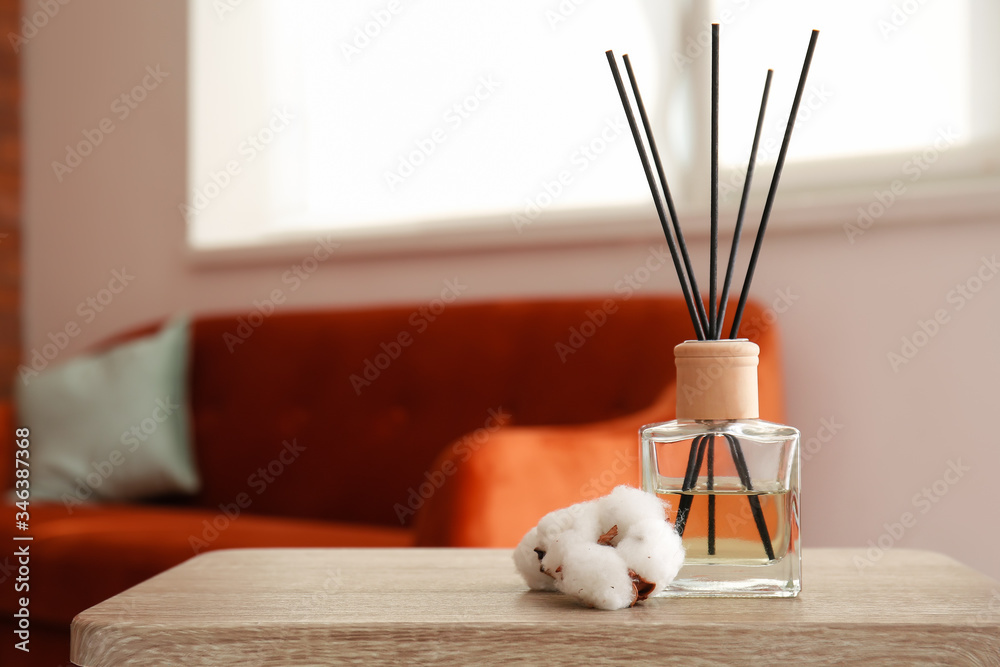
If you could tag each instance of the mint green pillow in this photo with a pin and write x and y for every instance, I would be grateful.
(112, 426)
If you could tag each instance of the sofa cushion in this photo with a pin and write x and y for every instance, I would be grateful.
(80, 559)
(114, 425)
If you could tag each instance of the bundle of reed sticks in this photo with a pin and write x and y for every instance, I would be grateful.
(708, 324)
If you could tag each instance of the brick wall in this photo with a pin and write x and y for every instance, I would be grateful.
(10, 198)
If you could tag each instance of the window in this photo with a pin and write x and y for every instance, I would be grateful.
(888, 79)
(399, 118)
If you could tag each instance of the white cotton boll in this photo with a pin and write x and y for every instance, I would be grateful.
(562, 544)
(554, 523)
(582, 517)
(527, 562)
(653, 550)
(609, 553)
(597, 576)
(627, 505)
(586, 520)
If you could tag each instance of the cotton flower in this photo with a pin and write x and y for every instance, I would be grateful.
(608, 553)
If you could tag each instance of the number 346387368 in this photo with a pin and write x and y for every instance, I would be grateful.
(21, 472)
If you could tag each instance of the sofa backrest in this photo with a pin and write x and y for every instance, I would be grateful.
(339, 415)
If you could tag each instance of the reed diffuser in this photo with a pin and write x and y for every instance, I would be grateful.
(732, 478)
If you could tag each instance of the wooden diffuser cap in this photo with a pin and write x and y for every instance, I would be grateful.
(716, 379)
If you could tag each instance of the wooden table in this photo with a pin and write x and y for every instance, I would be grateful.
(469, 607)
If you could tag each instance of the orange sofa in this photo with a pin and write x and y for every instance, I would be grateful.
(434, 425)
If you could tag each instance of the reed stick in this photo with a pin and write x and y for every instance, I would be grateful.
(744, 474)
(734, 332)
(714, 177)
(738, 230)
(681, 244)
(701, 333)
(690, 478)
(710, 486)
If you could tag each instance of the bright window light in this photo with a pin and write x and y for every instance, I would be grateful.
(389, 117)
(405, 114)
(887, 76)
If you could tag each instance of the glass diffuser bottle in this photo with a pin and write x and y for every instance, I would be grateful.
(732, 480)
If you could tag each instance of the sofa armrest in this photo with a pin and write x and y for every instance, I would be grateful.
(494, 496)
(493, 492)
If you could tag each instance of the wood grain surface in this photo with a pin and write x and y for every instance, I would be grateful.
(469, 607)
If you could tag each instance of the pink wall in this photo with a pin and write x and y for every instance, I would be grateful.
(882, 445)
